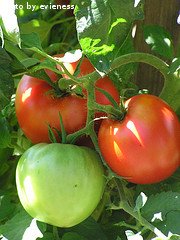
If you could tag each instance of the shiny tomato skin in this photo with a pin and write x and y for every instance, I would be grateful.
(36, 108)
(144, 147)
(60, 184)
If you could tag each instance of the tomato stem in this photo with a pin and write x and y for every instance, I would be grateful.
(124, 205)
(171, 88)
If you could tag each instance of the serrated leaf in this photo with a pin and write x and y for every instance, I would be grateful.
(163, 210)
(14, 228)
(103, 26)
(170, 224)
(163, 202)
(159, 40)
(9, 21)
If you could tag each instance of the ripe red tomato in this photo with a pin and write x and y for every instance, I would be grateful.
(144, 147)
(36, 107)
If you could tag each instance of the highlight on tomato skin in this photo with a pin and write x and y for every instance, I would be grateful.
(144, 147)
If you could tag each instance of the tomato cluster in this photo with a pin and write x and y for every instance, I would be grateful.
(61, 184)
(37, 106)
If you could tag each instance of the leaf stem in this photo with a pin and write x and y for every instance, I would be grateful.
(171, 88)
(124, 205)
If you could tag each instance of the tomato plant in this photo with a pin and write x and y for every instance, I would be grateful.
(60, 184)
(144, 147)
(104, 63)
(37, 107)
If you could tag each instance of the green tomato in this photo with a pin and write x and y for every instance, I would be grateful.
(60, 184)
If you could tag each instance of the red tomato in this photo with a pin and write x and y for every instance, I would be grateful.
(144, 147)
(36, 107)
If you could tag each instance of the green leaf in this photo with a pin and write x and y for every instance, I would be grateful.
(31, 40)
(5, 136)
(29, 62)
(163, 210)
(174, 237)
(140, 201)
(159, 40)
(73, 236)
(46, 64)
(89, 229)
(171, 223)
(40, 27)
(103, 26)
(4, 168)
(15, 228)
(6, 80)
(121, 76)
(48, 236)
(15, 50)
(163, 202)
(9, 21)
(6, 207)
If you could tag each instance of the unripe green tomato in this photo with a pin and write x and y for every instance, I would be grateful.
(60, 184)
